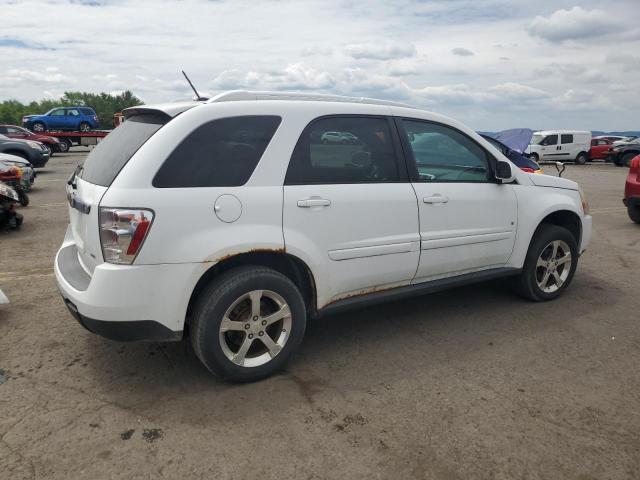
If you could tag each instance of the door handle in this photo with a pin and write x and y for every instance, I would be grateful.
(314, 202)
(435, 199)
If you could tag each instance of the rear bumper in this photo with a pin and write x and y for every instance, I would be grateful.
(127, 331)
(126, 302)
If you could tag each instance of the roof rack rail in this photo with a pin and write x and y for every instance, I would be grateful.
(239, 95)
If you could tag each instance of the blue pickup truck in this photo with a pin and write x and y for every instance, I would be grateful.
(79, 118)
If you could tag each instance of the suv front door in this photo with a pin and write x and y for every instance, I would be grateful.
(349, 209)
(57, 119)
(467, 220)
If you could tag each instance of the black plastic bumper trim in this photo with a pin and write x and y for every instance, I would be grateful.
(128, 331)
(433, 286)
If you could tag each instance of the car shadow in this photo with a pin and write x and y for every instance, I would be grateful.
(397, 340)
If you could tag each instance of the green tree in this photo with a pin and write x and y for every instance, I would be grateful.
(105, 105)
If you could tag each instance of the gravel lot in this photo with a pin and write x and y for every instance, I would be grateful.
(469, 383)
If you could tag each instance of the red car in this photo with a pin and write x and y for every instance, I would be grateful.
(632, 190)
(20, 133)
(600, 148)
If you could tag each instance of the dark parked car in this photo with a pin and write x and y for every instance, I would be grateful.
(80, 119)
(20, 133)
(35, 152)
(623, 153)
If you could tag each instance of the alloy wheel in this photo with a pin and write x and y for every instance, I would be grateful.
(255, 328)
(553, 266)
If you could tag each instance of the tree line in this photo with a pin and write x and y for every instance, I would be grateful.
(104, 104)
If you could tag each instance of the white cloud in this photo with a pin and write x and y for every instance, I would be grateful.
(576, 23)
(394, 49)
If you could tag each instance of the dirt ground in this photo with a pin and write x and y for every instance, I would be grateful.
(465, 384)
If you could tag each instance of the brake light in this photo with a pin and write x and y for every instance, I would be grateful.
(122, 233)
(634, 168)
(95, 118)
(527, 169)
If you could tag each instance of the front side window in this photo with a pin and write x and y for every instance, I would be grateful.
(566, 138)
(344, 149)
(550, 140)
(220, 153)
(442, 154)
(57, 112)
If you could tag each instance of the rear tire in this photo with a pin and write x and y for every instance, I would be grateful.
(535, 158)
(547, 270)
(581, 159)
(245, 348)
(634, 213)
(63, 146)
(84, 127)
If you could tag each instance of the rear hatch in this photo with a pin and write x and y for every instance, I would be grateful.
(89, 183)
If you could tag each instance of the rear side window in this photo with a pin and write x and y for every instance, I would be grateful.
(566, 138)
(107, 159)
(220, 153)
(336, 150)
(86, 111)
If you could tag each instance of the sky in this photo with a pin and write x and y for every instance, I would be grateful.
(491, 64)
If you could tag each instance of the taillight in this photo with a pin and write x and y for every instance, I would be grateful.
(527, 169)
(95, 118)
(634, 168)
(122, 233)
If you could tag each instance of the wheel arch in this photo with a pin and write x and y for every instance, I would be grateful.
(563, 218)
(288, 265)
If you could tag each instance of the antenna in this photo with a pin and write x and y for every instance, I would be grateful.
(198, 97)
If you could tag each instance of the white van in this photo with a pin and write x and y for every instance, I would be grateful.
(560, 146)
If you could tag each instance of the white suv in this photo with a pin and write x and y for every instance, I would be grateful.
(231, 220)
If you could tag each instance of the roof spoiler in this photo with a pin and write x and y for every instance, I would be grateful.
(169, 110)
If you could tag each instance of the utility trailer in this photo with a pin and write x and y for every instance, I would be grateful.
(83, 139)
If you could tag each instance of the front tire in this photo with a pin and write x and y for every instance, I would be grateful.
(247, 323)
(550, 264)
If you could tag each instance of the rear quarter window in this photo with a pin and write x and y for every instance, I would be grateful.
(110, 155)
(86, 111)
(220, 153)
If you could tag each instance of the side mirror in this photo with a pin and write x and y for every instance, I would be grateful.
(504, 174)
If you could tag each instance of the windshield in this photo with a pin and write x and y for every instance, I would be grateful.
(536, 139)
(110, 155)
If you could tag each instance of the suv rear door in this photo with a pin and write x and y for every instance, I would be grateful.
(90, 182)
(467, 220)
(351, 207)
